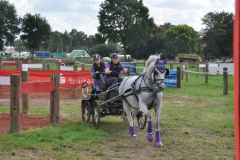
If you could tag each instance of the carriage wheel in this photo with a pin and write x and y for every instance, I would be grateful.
(141, 120)
(96, 114)
(86, 111)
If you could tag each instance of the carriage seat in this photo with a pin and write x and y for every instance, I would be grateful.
(103, 84)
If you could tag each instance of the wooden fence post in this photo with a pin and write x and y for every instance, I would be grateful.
(182, 73)
(25, 99)
(82, 67)
(171, 65)
(15, 81)
(186, 68)
(197, 74)
(178, 77)
(74, 95)
(44, 65)
(48, 66)
(57, 65)
(54, 99)
(19, 67)
(29, 62)
(225, 81)
(206, 74)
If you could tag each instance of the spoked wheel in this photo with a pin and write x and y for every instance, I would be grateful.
(96, 114)
(86, 111)
(141, 120)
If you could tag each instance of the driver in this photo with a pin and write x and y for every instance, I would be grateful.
(97, 68)
(113, 70)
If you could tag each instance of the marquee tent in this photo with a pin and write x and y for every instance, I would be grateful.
(78, 53)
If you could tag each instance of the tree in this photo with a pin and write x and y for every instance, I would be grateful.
(9, 24)
(105, 49)
(125, 21)
(56, 42)
(67, 41)
(155, 45)
(218, 34)
(180, 39)
(90, 42)
(19, 45)
(35, 31)
(78, 39)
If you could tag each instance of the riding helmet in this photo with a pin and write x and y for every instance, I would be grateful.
(114, 55)
(96, 56)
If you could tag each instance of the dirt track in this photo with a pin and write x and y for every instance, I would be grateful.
(28, 121)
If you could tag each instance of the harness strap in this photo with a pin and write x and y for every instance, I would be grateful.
(144, 89)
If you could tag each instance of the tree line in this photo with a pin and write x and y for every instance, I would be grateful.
(124, 27)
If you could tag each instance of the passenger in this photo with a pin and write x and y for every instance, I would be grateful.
(113, 70)
(97, 68)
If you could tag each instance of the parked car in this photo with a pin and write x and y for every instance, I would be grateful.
(106, 58)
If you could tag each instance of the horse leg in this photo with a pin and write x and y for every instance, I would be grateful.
(158, 138)
(127, 109)
(149, 117)
(134, 113)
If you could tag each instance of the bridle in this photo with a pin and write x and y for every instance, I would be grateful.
(159, 84)
(158, 68)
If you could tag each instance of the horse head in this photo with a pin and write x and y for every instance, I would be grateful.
(159, 71)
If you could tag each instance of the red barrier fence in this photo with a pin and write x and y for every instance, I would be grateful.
(31, 87)
(17, 87)
(68, 79)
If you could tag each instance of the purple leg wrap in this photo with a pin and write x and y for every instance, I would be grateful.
(132, 131)
(150, 137)
(158, 139)
(149, 127)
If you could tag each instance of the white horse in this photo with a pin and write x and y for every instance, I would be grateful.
(143, 93)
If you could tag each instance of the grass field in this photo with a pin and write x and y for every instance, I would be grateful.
(197, 122)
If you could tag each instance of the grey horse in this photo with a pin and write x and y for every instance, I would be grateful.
(143, 93)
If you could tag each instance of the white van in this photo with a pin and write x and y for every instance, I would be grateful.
(15, 55)
(121, 57)
(24, 54)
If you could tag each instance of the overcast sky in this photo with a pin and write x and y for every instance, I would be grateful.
(82, 14)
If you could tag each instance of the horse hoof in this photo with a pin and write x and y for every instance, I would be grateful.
(150, 137)
(159, 144)
(133, 136)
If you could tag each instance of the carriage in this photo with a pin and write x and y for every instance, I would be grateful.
(137, 95)
(106, 102)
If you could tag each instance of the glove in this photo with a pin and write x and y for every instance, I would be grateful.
(97, 75)
(128, 72)
(115, 73)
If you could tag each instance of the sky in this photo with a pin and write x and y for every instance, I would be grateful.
(65, 15)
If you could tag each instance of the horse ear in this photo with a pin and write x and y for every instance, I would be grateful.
(165, 61)
(157, 62)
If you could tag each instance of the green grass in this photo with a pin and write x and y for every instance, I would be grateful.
(197, 122)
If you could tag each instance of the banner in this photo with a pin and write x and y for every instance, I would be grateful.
(171, 79)
(67, 78)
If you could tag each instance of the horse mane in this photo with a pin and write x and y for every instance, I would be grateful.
(150, 60)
